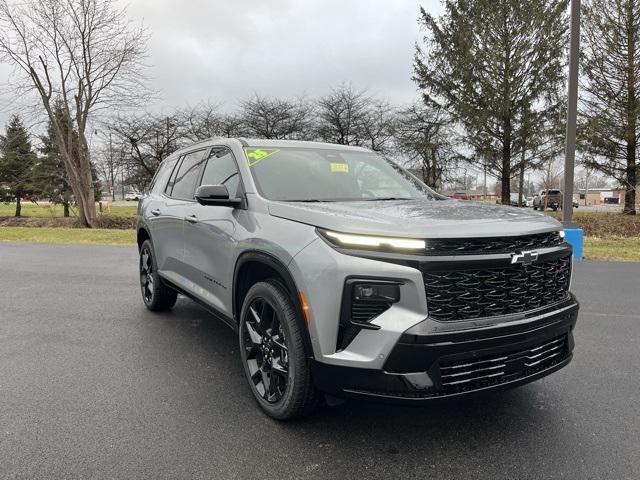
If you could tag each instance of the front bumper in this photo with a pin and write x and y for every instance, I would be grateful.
(424, 365)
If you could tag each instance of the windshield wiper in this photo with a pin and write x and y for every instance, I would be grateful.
(311, 200)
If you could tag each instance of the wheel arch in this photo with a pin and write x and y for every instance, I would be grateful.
(142, 235)
(254, 266)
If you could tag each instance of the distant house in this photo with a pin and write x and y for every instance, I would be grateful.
(476, 194)
(602, 196)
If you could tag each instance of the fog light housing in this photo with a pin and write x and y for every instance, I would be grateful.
(376, 292)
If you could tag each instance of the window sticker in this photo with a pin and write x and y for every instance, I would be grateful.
(339, 168)
(255, 155)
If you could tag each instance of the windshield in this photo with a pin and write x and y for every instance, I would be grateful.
(323, 175)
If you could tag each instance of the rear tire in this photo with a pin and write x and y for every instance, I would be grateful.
(273, 353)
(156, 296)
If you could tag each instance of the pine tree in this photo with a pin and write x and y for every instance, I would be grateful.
(610, 100)
(50, 176)
(17, 160)
(497, 66)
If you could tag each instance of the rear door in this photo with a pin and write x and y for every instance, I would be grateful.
(155, 204)
(177, 198)
(209, 253)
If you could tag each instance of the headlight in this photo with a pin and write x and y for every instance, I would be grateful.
(370, 242)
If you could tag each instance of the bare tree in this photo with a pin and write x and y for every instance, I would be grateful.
(425, 136)
(206, 121)
(378, 126)
(148, 139)
(551, 177)
(84, 53)
(341, 113)
(110, 162)
(276, 118)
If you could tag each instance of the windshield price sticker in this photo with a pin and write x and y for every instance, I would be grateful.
(255, 155)
(339, 168)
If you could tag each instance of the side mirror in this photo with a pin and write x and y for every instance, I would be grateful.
(215, 195)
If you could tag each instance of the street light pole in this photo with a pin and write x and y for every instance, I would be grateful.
(572, 116)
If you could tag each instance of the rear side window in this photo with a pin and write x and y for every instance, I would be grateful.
(172, 180)
(221, 169)
(161, 176)
(186, 178)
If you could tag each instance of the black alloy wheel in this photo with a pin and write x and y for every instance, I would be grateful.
(146, 275)
(156, 295)
(273, 353)
(267, 354)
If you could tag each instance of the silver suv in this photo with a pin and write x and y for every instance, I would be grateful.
(345, 275)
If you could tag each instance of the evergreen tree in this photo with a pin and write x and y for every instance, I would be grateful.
(17, 160)
(497, 66)
(610, 103)
(49, 176)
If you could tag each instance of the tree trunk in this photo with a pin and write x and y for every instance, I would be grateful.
(84, 192)
(632, 180)
(18, 206)
(521, 187)
(506, 164)
(65, 206)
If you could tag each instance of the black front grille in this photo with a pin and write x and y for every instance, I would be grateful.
(479, 246)
(475, 373)
(488, 292)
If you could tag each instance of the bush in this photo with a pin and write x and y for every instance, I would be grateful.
(604, 225)
(104, 221)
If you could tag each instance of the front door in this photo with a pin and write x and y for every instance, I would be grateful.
(177, 200)
(209, 253)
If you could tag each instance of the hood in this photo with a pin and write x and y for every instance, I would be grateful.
(417, 218)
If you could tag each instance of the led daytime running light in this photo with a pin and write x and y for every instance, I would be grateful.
(367, 241)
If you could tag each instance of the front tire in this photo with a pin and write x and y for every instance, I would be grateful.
(273, 354)
(156, 296)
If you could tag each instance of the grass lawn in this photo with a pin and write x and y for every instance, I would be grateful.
(612, 249)
(68, 235)
(612, 237)
(46, 210)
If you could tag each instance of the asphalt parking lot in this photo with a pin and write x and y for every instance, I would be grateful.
(94, 386)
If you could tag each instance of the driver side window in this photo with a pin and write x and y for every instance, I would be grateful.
(221, 169)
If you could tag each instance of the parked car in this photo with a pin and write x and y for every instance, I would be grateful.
(514, 199)
(548, 199)
(343, 275)
(460, 196)
(133, 196)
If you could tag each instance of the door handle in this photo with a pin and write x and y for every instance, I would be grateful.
(191, 219)
(155, 212)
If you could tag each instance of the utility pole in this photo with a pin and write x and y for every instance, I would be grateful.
(112, 170)
(484, 190)
(572, 115)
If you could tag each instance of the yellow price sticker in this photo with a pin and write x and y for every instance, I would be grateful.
(255, 155)
(339, 168)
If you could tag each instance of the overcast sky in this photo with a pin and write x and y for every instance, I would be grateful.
(224, 50)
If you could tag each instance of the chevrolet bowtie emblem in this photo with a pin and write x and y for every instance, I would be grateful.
(525, 258)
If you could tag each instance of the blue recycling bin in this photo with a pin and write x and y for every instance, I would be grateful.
(575, 238)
